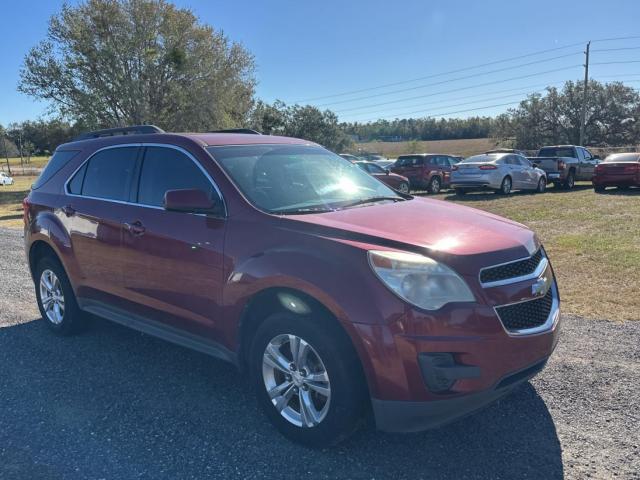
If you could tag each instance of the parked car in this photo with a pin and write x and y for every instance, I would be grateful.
(336, 295)
(5, 179)
(456, 159)
(351, 158)
(386, 164)
(565, 164)
(501, 172)
(507, 150)
(373, 157)
(425, 171)
(620, 170)
(395, 181)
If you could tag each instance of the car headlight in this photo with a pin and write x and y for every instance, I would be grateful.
(419, 280)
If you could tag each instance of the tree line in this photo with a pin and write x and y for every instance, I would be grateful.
(110, 63)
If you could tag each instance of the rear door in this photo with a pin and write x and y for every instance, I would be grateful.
(173, 261)
(96, 208)
(515, 170)
(444, 167)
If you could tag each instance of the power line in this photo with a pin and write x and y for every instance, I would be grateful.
(495, 82)
(615, 49)
(418, 87)
(442, 114)
(394, 115)
(615, 63)
(539, 52)
(504, 60)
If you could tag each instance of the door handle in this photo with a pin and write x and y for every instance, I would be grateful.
(68, 210)
(135, 228)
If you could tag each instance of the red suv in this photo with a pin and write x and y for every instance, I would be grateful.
(338, 296)
(426, 171)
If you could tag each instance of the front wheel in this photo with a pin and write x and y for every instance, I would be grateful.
(505, 187)
(542, 185)
(403, 188)
(307, 379)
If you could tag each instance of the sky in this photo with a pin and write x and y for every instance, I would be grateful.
(395, 55)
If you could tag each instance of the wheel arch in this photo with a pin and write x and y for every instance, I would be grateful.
(273, 300)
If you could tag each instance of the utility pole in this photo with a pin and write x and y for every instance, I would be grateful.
(583, 118)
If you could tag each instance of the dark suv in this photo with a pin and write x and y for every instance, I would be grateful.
(337, 295)
(426, 171)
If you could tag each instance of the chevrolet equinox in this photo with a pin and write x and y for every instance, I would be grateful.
(342, 300)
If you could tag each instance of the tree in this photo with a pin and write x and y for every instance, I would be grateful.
(109, 63)
(612, 117)
(306, 122)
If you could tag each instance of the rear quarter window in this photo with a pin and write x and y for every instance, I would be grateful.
(59, 159)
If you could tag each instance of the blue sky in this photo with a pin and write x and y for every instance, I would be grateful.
(306, 50)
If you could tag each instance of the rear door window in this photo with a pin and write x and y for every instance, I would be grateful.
(109, 173)
(55, 163)
(169, 169)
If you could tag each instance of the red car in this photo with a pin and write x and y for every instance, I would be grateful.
(395, 181)
(336, 295)
(426, 171)
(620, 170)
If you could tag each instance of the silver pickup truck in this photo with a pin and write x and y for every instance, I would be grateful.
(564, 164)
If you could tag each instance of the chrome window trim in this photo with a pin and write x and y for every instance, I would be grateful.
(144, 205)
(549, 324)
(542, 266)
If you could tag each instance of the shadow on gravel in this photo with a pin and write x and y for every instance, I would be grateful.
(113, 403)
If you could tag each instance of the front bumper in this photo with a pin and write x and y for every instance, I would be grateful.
(402, 416)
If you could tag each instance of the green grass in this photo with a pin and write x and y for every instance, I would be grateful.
(11, 197)
(463, 147)
(35, 162)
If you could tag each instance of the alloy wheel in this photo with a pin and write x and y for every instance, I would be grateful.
(506, 186)
(542, 185)
(404, 188)
(52, 296)
(435, 185)
(296, 380)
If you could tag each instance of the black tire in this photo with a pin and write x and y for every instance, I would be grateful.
(570, 181)
(347, 385)
(542, 185)
(435, 184)
(73, 319)
(404, 188)
(505, 186)
(599, 188)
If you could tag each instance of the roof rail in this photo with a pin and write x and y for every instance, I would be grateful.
(237, 130)
(111, 132)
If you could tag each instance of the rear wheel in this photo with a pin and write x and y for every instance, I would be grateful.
(56, 300)
(403, 188)
(435, 184)
(542, 185)
(570, 181)
(599, 188)
(307, 379)
(505, 186)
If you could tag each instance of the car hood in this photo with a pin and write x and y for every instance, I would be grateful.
(442, 227)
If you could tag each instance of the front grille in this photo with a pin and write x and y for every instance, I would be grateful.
(511, 270)
(526, 315)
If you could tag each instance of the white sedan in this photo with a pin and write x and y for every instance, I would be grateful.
(5, 179)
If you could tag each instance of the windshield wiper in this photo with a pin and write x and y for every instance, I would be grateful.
(362, 201)
(302, 211)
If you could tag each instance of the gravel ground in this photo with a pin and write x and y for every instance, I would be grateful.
(113, 403)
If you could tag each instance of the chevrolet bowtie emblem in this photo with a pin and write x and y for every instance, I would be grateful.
(541, 287)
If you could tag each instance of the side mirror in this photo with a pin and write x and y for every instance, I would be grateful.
(386, 171)
(536, 165)
(190, 200)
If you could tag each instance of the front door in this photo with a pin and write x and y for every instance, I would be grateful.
(173, 261)
(587, 164)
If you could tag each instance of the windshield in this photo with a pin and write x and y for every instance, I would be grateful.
(298, 179)
(492, 157)
(557, 152)
(623, 158)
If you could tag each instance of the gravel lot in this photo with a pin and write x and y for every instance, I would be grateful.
(113, 403)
